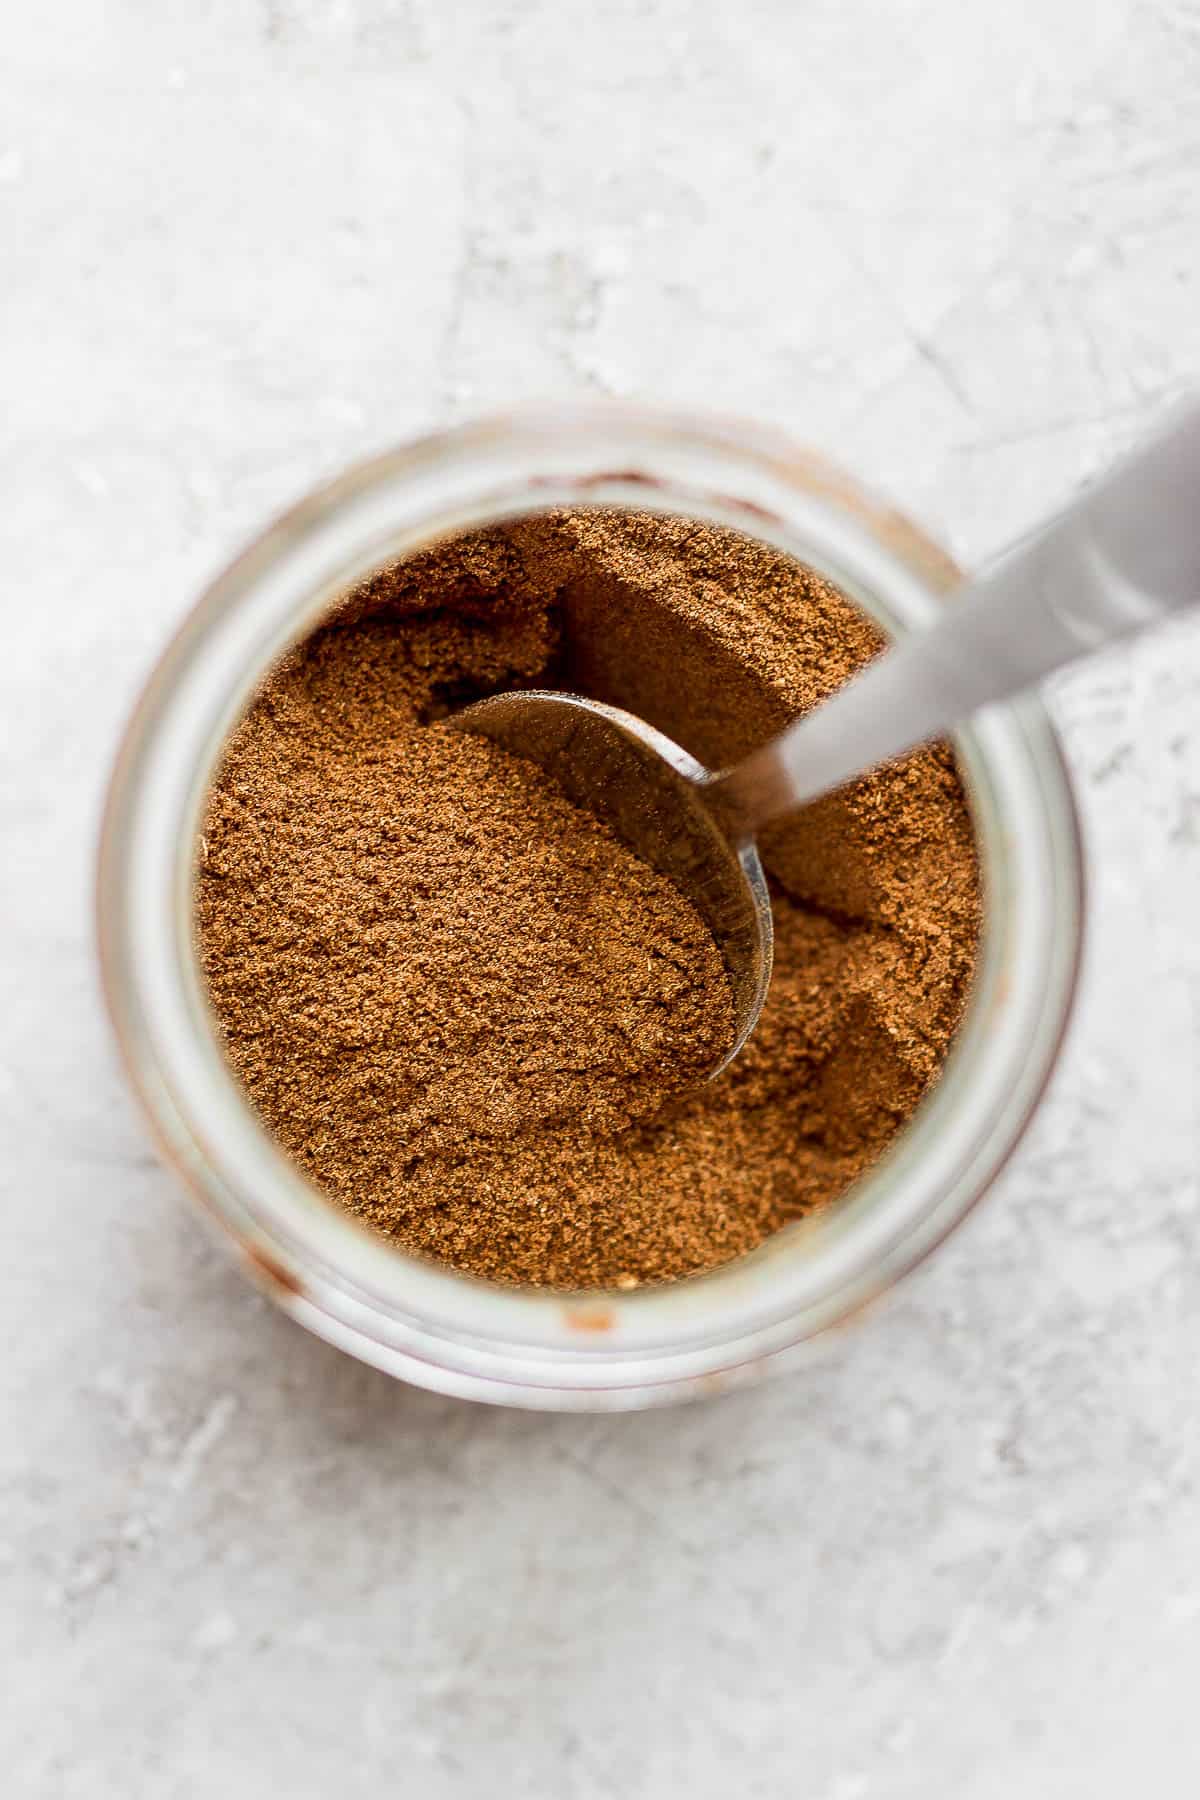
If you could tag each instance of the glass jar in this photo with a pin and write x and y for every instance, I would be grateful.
(428, 1324)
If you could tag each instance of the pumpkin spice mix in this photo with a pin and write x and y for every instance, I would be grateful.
(478, 1022)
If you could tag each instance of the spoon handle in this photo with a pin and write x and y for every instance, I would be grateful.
(1121, 557)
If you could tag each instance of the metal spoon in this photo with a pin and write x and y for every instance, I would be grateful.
(1121, 557)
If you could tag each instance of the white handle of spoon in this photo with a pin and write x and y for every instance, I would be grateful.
(1121, 557)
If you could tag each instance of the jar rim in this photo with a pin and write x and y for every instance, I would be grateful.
(433, 1325)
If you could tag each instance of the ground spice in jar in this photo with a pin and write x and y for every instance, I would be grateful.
(478, 1022)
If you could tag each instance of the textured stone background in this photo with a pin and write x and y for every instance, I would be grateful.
(958, 246)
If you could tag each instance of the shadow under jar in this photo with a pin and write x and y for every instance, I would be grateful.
(539, 1347)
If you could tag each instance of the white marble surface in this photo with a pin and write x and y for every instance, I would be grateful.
(956, 246)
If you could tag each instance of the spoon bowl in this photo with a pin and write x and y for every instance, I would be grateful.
(663, 806)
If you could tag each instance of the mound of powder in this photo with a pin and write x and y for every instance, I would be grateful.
(469, 1014)
(449, 955)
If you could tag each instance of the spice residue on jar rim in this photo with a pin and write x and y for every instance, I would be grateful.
(469, 1015)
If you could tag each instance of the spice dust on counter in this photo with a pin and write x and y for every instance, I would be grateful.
(478, 1022)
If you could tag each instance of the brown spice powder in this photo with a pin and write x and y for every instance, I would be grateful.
(470, 1015)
